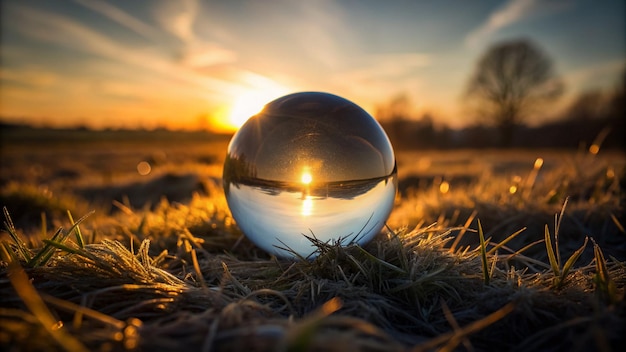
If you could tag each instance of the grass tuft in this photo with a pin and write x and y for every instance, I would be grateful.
(42, 256)
(22, 249)
(177, 275)
(605, 286)
(560, 271)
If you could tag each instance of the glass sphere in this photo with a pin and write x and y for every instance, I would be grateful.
(310, 166)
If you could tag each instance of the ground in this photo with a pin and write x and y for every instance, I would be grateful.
(160, 265)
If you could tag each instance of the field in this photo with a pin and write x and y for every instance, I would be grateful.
(484, 250)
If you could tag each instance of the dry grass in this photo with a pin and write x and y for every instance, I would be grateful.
(176, 276)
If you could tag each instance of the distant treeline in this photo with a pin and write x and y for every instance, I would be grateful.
(408, 134)
(24, 133)
(404, 133)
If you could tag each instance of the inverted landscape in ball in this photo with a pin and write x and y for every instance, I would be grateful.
(310, 165)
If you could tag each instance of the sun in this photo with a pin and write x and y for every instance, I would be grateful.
(250, 102)
(245, 101)
(246, 106)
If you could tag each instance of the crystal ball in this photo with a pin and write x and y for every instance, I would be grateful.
(310, 168)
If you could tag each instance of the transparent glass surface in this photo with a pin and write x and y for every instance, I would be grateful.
(310, 164)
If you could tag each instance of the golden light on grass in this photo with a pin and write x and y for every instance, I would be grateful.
(594, 149)
(538, 163)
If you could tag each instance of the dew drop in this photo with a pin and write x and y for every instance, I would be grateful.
(310, 164)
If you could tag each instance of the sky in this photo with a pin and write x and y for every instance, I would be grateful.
(211, 64)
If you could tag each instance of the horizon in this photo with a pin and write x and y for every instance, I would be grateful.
(147, 65)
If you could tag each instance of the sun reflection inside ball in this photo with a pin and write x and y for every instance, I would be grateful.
(306, 178)
(310, 165)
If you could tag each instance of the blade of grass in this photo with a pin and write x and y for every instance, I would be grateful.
(505, 241)
(494, 261)
(79, 236)
(50, 253)
(21, 246)
(61, 246)
(617, 223)
(461, 233)
(454, 342)
(551, 257)
(141, 228)
(73, 307)
(228, 276)
(47, 248)
(570, 262)
(196, 267)
(358, 264)
(404, 260)
(33, 301)
(483, 254)
(300, 337)
(557, 227)
(289, 250)
(467, 330)
(374, 259)
(75, 224)
(605, 287)
(7, 254)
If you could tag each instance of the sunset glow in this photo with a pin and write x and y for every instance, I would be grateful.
(250, 103)
(207, 65)
(244, 107)
(244, 103)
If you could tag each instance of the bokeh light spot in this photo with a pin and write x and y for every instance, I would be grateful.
(444, 187)
(144, 168)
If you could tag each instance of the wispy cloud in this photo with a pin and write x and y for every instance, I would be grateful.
(311, 35)
(392, 73)
(388, 66)
(200, 55)
(178, 17)
(123, 18)
(33, 76)
(512, 12)
(70, 34)
(596, 76)
(322, 30)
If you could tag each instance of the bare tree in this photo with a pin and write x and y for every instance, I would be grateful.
(511, 79)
